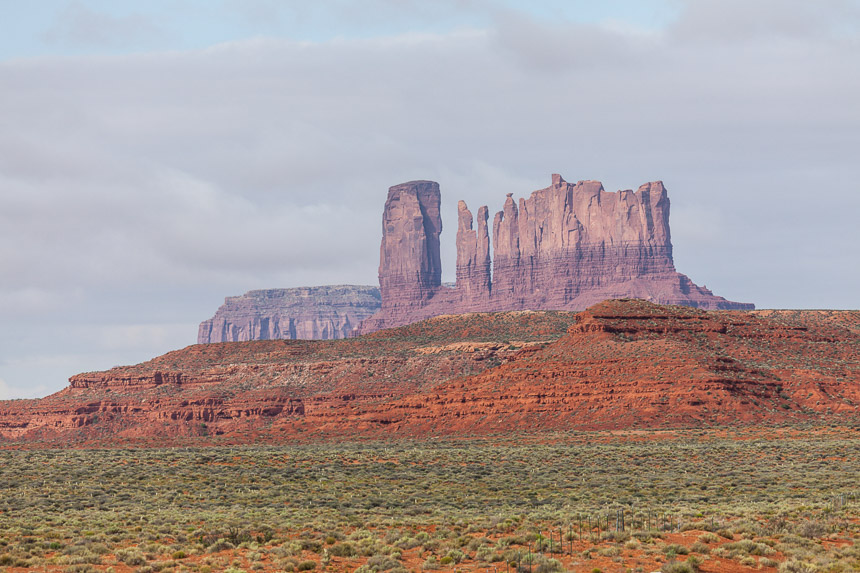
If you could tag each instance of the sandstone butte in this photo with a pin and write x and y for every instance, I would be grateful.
(323, 312)
(620, 364)
(566, 247)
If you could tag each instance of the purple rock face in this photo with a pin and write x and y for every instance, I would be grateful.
(566, 247)
(410, 266)
(323, 312)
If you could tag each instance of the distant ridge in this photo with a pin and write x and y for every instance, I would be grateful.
(620, 364)
(321, 312)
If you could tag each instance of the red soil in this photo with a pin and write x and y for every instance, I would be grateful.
(620, 365)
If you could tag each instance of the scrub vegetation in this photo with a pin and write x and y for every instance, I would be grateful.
(646, 501)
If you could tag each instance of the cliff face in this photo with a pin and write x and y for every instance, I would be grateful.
(410, 265)
(324, 312)
(566, 247)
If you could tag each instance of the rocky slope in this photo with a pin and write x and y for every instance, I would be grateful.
(566, 247)
(323, 312)
(619, 364)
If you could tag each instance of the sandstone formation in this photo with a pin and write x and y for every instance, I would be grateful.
(620, 364)
(324, 312)
(566, 247)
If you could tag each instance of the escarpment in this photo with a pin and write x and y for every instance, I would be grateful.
(323, 312)
(620, 364)
(566, 247)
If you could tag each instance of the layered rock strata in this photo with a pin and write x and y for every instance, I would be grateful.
(620, 364)
(324, 312)
(566, 247)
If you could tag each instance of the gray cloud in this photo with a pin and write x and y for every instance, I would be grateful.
(136, 192)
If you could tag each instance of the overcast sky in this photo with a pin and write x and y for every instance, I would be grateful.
(157, 156)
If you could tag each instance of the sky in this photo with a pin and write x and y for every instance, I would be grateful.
(157, 156)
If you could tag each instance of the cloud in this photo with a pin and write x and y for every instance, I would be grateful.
(767, 20)
(143, 189)
(78, 25)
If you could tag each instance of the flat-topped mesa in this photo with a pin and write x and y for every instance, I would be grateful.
(566, 247)
(323, 312)
(571, 239)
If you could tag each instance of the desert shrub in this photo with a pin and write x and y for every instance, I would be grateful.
(811, 530)
(477, 542)
(673, 566)
(708, 538)
(506, 541)
(220, 545)
(311, 545)
(675, 549)
(610, 551)
(647, 536)
(699, 547)
(130, 557)
(99, 548)
(748, 547)
(544, 565)
(382, 563)
(618, 536)
(487, 555)
(794, 566)
(345, 549)
(406, 542)
(80, 568)
(81, 557)
(307, 565)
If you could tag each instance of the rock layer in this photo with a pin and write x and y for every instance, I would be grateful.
(566, 247)
(324, 312)
(621, 364)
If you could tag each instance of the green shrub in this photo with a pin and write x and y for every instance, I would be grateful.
(748, 547)
(673, 566)
(794, 566)
(131, 557)
(610, 551)
(699, 547)
(382, 563)
(307, 565)
(345, 549)
(220, 545)
(675, 549)
(708, 538)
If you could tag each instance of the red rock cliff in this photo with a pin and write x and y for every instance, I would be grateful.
(566, 247)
